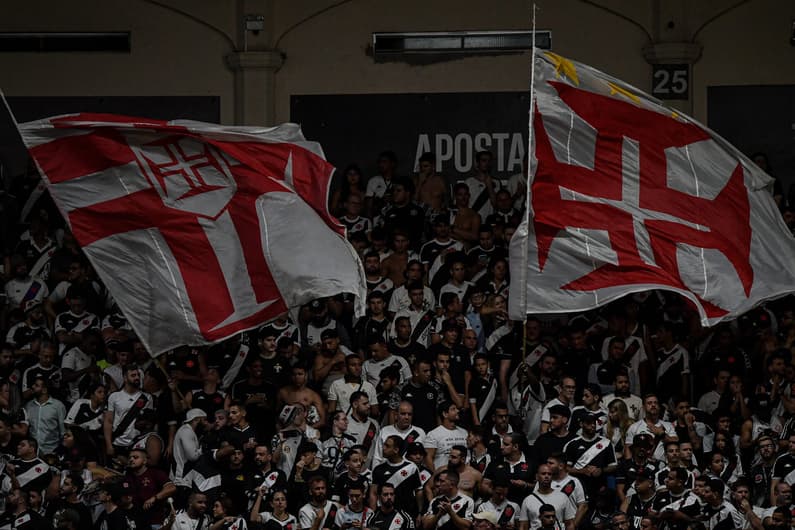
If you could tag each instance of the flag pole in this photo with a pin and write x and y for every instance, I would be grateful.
(527, 179)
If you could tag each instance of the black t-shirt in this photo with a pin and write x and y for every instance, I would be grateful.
(384, 521)
(548, 443)
(506, 471)
(407, 480)
(424, 399)
(56, 507)
(116, 520)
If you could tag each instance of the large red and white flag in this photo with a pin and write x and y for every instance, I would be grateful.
(199, 231)
(628, 195)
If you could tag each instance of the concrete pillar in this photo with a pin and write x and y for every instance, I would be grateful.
(254, 85)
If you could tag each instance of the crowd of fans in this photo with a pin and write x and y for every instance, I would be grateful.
(432, 411)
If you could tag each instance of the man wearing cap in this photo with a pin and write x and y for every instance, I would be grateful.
(70, 324)
(485, 520)
(187, 448)
(639, 503)
(590, 456)
(544, 494)
(124, 407)
(27, 334)
(642, 447)
(557, 436)
(450, 510)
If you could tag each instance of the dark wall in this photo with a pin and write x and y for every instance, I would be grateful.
(757, 118)
(355, 128)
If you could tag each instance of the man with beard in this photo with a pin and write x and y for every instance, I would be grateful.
(26, 336)
(19, 515)
(589, 456)
(124, 407)
(450, 510)
(193, 518)
(372, 274)
(267, 479)
(187, 448)
(642, 447)
(441, 440)
(469, 477)
(387, 517)
(318, 513)
(761, 473)
(149, 487)
(69, 499)
(621, 391)
(23, 287)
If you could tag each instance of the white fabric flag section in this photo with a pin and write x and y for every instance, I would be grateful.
(199, 231)
(627, 195)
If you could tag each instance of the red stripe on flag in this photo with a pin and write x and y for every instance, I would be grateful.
(67, 158)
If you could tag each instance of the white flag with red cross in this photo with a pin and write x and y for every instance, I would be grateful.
(627, 195)
(199, 231)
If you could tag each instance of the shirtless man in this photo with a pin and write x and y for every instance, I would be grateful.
(470, 477)
(394, 266)
(431, 188)
(466, 222)
(298, 392)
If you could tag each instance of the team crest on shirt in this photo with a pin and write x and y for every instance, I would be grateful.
(568, 489)
(758, 478)
(398, 520)
(456, 506)
(404, 473)
(600, 445)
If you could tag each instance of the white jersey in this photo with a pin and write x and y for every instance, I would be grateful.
(443, 439)
(120, 404)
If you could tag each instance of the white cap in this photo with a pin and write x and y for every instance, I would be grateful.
(486, 516)
(193, 414)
